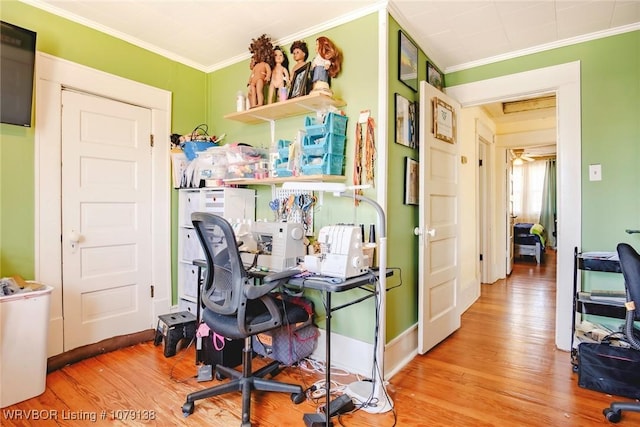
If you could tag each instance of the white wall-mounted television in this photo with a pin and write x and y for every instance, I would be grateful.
(17, 60)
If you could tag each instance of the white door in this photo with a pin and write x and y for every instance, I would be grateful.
(438, 314)
(106, 218)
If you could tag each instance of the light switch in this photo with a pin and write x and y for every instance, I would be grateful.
(595, 172)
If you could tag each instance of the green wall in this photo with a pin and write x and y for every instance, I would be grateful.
(610, 111)
(65, 39)
(402, 303)
(358, 42)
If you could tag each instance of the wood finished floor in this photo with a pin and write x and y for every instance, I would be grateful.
(500, 369)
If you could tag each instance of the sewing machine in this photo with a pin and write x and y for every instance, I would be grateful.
(341, 252)
(278, 244)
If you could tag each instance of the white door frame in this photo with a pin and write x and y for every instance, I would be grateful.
(564, 80)
(484, 141)
(52, 74)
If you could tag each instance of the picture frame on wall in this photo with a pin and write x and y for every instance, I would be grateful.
(444, 121)
(411, 181)
(405, 123)
(434, 76)
(300, 81)
(407, 61)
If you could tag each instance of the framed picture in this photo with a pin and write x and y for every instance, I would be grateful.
(300, 81)
(444, 121)
(411, 181)
(407, 61)
(434, 76)
(405, 121)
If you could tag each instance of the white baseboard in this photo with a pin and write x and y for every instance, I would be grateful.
(400, 351)
(351, 354)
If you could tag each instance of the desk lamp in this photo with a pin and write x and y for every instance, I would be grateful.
(364, 390)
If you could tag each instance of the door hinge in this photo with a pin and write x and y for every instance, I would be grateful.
(480, 162)
(151, 140)
(152, 290)
(480, 257)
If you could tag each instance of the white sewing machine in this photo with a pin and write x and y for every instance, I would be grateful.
(279, 245)
(341, 252)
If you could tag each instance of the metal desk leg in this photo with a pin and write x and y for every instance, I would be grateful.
(327, 298)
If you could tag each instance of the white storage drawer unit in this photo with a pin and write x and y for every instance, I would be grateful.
(231, 203)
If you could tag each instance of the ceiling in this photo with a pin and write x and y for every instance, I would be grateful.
(210, 34)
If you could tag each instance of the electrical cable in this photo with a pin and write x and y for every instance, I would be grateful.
(171, 377)
(372, 401)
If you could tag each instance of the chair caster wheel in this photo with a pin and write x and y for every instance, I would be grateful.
(219, 376)
(611, 415)
(187, 409)
(298, 398)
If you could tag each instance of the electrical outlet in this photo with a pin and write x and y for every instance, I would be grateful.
(595, 172)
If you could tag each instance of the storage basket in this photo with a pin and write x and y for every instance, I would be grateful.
(289, 344)
(283, 148)
(283, 173)
(244, 154)
(318, 145)
(333, 123)
(327, 164)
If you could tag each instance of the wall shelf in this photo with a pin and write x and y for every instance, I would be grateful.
(291, 107)
(280, 180)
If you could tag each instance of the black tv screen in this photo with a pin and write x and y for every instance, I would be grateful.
(17, 59)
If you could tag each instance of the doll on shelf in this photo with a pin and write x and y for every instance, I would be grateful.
(279, 76)
(261, 64)
(300, 53)
(326, 64)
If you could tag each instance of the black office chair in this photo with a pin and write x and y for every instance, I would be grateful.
(630, 266)
(236, 307)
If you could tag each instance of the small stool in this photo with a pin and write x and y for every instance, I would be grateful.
(172, 328)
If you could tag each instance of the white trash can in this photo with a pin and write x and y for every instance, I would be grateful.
(24, 326)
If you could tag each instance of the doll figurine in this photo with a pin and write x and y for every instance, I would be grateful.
(260, 65)
(300, 53)
(326, 64)
(279, 76)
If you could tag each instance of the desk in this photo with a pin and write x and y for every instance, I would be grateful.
(327, 288)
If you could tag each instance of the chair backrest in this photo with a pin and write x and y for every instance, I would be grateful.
(630, 266)
(225, 275)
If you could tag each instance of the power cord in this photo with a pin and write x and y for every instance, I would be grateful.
(184, 353)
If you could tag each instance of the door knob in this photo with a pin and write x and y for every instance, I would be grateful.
(74, 238)
(417, 231)
(431, 232)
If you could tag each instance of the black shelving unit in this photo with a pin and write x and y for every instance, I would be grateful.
(582, 302)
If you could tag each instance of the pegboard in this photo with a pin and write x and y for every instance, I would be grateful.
(293, 206)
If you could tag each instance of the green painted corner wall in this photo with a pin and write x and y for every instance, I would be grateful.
(402, 302)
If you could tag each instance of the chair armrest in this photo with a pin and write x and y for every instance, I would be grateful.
(269, 283)
(278, 276)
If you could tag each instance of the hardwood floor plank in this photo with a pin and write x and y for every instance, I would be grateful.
(500, 369)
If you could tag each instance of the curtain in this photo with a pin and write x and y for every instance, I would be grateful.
(548, 207)
(528, 184)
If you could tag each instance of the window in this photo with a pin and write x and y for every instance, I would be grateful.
(528, 182)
